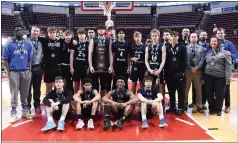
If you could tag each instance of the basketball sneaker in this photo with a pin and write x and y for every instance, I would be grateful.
(13, 117)
(60, 125)
(90, 124)
(145, 124)
(119, 123)
(26, 113)
(162, 123)
(49, 125)
(107, 124)
(80, 124)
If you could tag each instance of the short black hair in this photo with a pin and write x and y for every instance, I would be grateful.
(87, 80)
(167, 30)
(121, 77)
(59, 78)
(100, 26)
(120, 29)
(17, 25)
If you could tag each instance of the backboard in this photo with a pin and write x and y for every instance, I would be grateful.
(94, 6)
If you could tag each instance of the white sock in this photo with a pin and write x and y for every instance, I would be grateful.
(143, 117)
(50, 118)
(161, 117)
(62, 118)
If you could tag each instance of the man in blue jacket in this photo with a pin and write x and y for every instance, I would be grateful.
(229, 47)
(17, 58)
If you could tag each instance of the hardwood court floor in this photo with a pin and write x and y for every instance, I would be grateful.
(226, 125)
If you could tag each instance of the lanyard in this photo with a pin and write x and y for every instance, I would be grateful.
(20, 46)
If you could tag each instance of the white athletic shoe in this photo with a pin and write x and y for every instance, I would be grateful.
(90, 124)
(80, 124)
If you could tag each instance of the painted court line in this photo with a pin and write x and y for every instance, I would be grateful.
(207, 131)
(189, 123)
(15, 125)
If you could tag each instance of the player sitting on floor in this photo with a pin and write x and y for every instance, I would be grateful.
(86, 103)
(121, 103)
(149, 99)
(57, 104)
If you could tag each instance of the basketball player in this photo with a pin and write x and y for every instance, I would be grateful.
(229, 48)
(95, 46)
(176, 64)
(121, 103)
(79, 59)
(149, 99)
(87, 103)
(37, 70)
(17, 58)
(137, 61)
(52, 49)
(166, 43)
(121, 50)
(60, 34)
(57, 104)
(155, 57)
(65, 60)
(90, 35)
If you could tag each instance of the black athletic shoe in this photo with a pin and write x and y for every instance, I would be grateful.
(120, 124)
(179, 112)
(107, 125)
(171, 110)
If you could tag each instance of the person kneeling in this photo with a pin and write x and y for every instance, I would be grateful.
(86, 103)
(121, 103)
(57, 105)
(149, 99)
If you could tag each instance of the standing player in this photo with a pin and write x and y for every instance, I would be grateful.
(87, 103)
(150, 98)
(155, 57)
(120, 50)
(90, 35)
(79, 59)
(95, 47)
(65, 62)
(138, 61)
(121, 103)
(17, 58)
(52, 49)
(57, 105)
(175, 67)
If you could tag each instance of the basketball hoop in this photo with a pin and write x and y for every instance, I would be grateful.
(107, 8)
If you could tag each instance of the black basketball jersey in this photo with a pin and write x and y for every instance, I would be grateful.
(87, 95)
(120, 97)
(52, 50)
(155, 56)
(121, 52)
(148, 94)
(81, 53)
(65, 52)
(138, 51)
(99, 45)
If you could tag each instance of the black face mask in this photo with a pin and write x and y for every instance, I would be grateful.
(202, 39)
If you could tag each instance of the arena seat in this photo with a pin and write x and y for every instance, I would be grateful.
(8, 21)
(179, 19)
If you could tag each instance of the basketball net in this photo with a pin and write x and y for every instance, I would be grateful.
(107, 8)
